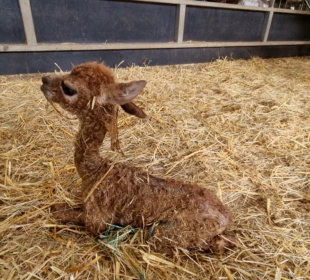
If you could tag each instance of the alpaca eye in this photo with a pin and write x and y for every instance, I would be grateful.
(67, 90)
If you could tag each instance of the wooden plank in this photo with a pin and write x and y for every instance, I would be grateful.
(203, 4)
(180, 22)
(289, 11)
(26, 13)
(267, 24)
(220, 6)
(133, 46)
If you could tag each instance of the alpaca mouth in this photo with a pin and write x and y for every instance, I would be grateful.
(47, 92)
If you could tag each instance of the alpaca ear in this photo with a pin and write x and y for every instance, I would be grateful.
(129, 91)
(121, 93)
(133, 109)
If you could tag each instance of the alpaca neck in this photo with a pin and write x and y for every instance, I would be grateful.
(89, 139)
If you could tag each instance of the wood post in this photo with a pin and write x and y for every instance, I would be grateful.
(25, 10)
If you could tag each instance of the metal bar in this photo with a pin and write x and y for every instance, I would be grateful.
(180, 22)
(25, 10)
(134, 46)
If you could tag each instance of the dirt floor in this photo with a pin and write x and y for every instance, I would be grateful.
(240, 127)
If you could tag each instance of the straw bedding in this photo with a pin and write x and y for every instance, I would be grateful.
(240, 127)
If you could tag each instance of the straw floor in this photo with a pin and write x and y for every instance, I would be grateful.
(240, 127)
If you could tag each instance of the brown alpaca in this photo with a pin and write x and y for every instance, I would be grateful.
(172, 213)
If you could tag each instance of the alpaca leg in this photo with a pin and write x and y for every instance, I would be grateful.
(66, 214)
(165, 238)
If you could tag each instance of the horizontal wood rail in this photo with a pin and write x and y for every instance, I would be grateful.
(135, 46)
(193, 3)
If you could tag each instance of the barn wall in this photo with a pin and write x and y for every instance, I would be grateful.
(290, 27)
(11, 25)
(102, 21)
(81, 23)
(207, 24)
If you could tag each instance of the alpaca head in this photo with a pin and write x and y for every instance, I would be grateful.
(88, 85)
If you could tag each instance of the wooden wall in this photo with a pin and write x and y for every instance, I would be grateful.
(36, 34)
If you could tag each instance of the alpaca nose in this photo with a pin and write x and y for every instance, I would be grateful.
(46, 80)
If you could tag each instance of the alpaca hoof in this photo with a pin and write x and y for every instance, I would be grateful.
(65, 214)
(222, 243)
(58, 210)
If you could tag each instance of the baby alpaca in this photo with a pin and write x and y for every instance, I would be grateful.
(172, 213)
